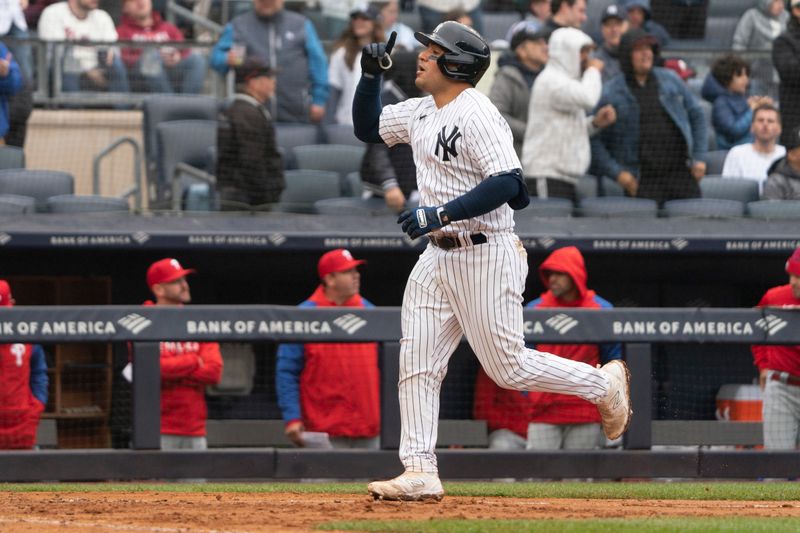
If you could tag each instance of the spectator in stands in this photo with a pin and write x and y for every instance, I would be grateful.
(162, 70)
(612, 26)
(786, 58)
(458, 15)
(556, 151)
(783, 181)
(660, 127)
(541, 420)
(640, 16)
(753, 160)
(683, 19)
(388, 16)
(187, 368)
(249, 166)
(726, 87)
(23, 388)
(13, 24)
(432, 12)
(10, 84)
(760, 25)
(34, 11)
(302, 67)
(517, 70)
(566, 14)
(344, 69)
(332, 387)
(779, 369)
(96, 68)
(535, 18)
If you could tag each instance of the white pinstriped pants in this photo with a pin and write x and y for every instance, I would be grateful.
(474, 291)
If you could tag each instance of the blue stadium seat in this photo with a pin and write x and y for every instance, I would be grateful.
(775, 209)
(38, 184)
(288, 136)
(715, 160)
(304, 187)
(704, 208)
(183, 141)
(11, 157)
(373, 206)
(68, 203)
(339, 158)
(618, 206)
(545, 207)
(14, 204)
(740, 189)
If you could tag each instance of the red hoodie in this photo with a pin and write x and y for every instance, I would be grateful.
(161, 31)
(778, 358)
(509, 409)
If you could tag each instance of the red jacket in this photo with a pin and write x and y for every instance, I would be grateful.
(331, 387)
(779, 358)
(160, 31)
(19, 408)
(514, 410)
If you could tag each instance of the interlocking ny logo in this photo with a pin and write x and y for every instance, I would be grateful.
(561, 323)
(447, 143)
(350, 323)
(771, 324)
(134, 323)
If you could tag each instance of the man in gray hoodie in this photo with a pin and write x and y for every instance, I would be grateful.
(759, 26)
(783, 182)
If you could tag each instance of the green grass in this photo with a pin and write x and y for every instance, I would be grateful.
(699, 490)
(615, 525)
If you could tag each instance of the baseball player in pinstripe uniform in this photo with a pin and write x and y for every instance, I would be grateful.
(470, 278)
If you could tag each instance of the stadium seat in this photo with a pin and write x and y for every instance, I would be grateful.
(183, 141)
(612, 207)
(304, 187)
(340, 134)
(729, 8)
(333, 157)
(719, 32)
(14, 204)
(38, 184)
(612, 188)
(715, 160)
(545, 207)
(288, 136)
(586, 187)
(774, 209)
(704, 208)
(740, 189)
(11, 157)
(373, 206)
(352, 185)
(496, 25)
(69, 203)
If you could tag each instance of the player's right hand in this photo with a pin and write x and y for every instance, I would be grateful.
(375, 57)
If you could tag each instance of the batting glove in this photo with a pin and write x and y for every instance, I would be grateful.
(375, 57)
(418, 222)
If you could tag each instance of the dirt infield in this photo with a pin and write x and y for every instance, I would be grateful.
(166, 512)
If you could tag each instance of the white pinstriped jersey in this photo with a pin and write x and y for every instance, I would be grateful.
(455, 148)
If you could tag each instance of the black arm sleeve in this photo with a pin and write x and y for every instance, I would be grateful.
(490, 194)
(367, 109)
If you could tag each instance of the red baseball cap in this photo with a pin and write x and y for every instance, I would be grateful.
(337, 260)
(793, 264)
(6, 300)
(166, 270)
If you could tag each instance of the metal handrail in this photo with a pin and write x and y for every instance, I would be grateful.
(136, 189)
(173, 8)
(194, 172)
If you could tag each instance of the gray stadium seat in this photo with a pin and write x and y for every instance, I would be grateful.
(11, 157)
(715, 160)
(288, 136)
(68, 203)
(352, 184)
(545, 207)
(775, 209)
(612, 188)
(183, 141)
(374, 206)
(333, 157)
(614, 206)
(740, 189)
(304, 187)
(729, 8)
(496, 25)
(586, 187)
(704, 208)
(14, 204)
(38, 184)
(411, 19)
(340, 134)
(719, 32)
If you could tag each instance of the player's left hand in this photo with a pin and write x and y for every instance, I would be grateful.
(418, 222)
(375, 57)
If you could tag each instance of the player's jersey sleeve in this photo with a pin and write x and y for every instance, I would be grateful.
(490, 140)
(395, 122)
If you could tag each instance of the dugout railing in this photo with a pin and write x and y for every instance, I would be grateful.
(637, 329)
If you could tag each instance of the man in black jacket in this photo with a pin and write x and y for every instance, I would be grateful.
(249, 167)
(786, 58)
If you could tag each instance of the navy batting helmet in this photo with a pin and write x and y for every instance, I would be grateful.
(467, 55)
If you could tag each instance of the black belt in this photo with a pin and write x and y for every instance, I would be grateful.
(785, 377)
(448, 243)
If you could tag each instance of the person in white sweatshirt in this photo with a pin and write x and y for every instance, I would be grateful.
(556, 150)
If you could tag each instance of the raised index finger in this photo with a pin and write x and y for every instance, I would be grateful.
(390, 43)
